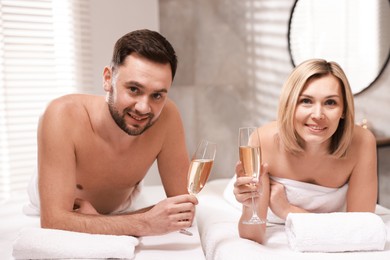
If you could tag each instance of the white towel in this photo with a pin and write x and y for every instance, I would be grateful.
(229, 195)
(335, 232)
(32, 208)
(311, 197)
(40, 243)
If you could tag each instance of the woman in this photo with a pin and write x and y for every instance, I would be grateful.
(313, 145)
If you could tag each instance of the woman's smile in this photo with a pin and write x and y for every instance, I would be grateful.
(316, 128)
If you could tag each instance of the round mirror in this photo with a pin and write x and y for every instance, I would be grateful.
(353, 33)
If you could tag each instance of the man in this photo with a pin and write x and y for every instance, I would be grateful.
(93, 151)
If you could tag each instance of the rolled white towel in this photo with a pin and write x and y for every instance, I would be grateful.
(335, 232)
(40, 243)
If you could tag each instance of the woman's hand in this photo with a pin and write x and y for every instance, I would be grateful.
(247, 187)
(244, 189)
(278, 202)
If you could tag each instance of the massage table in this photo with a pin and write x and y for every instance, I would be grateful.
(170, 246)
(217, 223)
(215, 232)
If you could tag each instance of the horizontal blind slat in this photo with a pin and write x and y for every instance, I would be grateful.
(44, 53)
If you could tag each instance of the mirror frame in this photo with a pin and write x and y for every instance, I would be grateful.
(294, 64)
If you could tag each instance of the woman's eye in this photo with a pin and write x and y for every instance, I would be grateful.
(330, 102)
(305, 101)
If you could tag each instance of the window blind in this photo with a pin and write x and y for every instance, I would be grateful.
(44, 53)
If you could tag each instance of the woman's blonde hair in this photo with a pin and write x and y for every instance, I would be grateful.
(292, 89)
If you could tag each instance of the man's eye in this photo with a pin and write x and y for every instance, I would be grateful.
(133, 90)
(157, 96)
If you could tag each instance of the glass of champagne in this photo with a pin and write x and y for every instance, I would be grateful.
(199, 170)
(249, 150)
(200, 167)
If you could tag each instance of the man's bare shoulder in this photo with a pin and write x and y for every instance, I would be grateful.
(71, 101)
(67, 111)
(70, 104)
(171, 107)
(169, 126)
(170, 114)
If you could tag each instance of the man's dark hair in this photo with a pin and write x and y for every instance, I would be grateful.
(147, 43)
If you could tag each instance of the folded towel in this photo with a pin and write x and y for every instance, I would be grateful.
(40, 243)
(335, 232)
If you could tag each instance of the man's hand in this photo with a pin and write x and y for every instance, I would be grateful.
(171, 214)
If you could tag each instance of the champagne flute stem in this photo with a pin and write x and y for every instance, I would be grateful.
(254, 211)
(185, 232)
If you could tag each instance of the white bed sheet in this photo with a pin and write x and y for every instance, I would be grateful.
(170, 246)
(217, 223)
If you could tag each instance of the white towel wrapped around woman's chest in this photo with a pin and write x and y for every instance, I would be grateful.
(311, 197)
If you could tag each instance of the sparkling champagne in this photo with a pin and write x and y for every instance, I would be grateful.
(250, 159)
(198, 174)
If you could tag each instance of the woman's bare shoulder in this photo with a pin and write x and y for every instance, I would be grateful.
(268, 134)
(269, 129)
(363, 136)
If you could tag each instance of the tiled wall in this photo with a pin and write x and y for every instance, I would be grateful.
(233, 60)
(230, 73)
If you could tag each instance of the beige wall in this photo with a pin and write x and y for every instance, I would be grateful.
(112, 19)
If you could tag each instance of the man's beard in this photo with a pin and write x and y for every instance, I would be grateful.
(121, 122)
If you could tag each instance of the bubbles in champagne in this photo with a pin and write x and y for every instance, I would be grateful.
(198, 174)
(250, 159)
